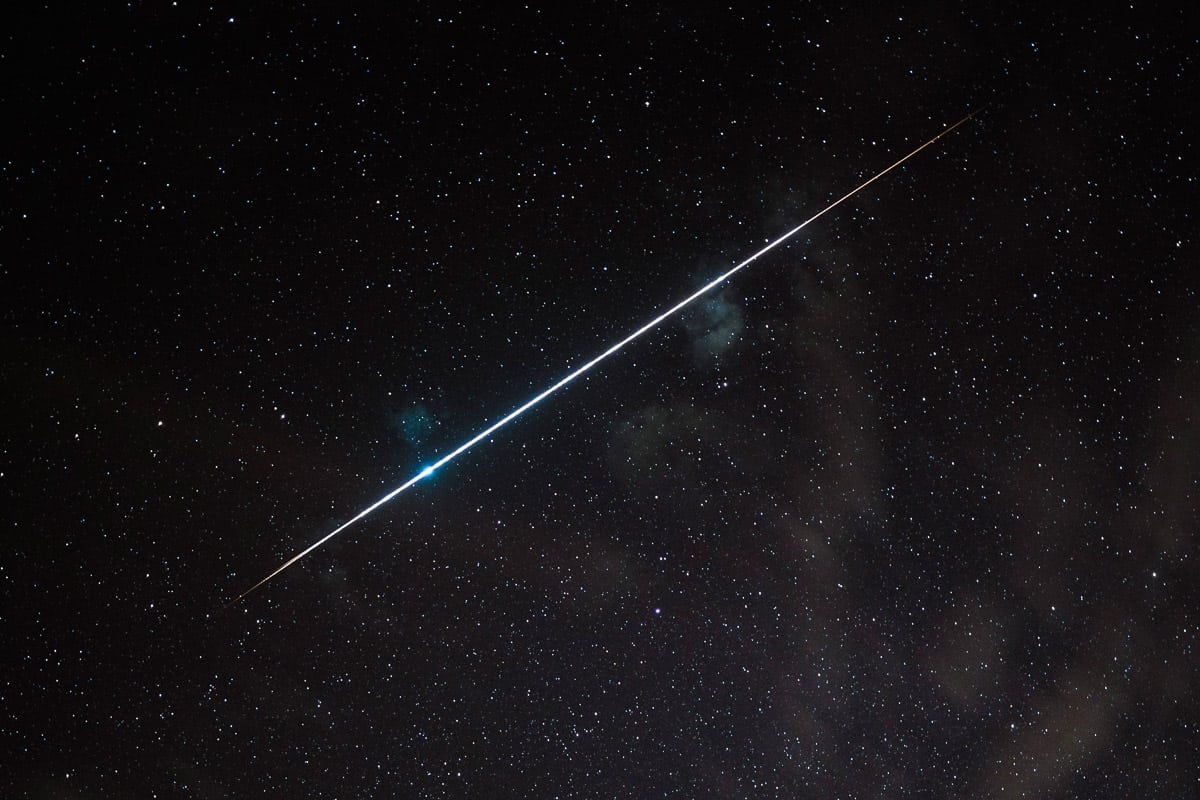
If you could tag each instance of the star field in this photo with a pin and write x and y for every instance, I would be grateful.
(907, 508)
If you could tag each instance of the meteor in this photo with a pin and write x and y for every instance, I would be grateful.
(580, 370)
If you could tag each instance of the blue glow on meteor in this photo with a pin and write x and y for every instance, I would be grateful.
(587, 367)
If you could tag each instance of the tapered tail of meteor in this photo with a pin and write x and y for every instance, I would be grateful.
(578, 371)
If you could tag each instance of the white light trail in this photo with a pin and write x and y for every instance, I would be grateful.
(578, 371)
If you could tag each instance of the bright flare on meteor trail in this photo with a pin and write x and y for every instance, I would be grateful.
(571, 376)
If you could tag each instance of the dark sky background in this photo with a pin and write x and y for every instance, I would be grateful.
(907, 509)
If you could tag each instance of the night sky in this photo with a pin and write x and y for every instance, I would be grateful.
(908, 508)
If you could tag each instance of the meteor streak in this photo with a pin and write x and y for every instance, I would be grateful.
(578, 371)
